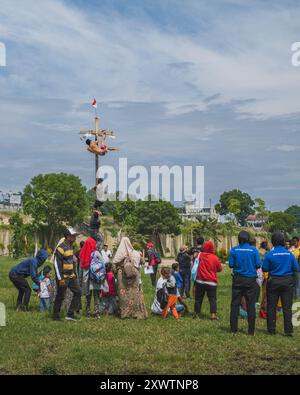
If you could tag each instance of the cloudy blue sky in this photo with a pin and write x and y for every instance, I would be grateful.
(182, 82)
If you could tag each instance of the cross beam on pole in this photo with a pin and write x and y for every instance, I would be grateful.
(97, 132)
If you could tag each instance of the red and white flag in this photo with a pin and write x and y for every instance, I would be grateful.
(94, 103)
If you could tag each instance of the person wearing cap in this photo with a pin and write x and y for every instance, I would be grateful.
(152, 261)
(19, 273)
(65, 270)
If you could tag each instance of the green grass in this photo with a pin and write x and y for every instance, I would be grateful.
(32, 343)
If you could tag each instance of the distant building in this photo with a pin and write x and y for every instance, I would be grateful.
(255, 222)
(10, 201)
(192, 212)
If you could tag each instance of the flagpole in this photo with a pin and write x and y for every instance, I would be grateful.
(96, 136)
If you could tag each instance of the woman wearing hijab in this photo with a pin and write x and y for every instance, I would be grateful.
(126, 265)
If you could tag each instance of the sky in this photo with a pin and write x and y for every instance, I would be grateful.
(181, 82)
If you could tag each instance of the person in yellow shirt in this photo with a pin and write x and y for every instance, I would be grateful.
(296, 251)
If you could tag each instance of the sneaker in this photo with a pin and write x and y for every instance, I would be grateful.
(288, 334)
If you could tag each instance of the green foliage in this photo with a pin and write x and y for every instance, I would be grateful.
(154, 217)
(145, 218)
(295, 212)
(279, 221)
(223, 255)
(54, 200)
(236, 202)
(21, 236)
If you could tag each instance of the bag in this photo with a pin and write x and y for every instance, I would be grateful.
(195, 267)
(162, 297)
(97, 268)
(129, 268)
(156, 259)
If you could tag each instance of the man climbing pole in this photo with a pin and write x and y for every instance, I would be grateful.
(93, 146)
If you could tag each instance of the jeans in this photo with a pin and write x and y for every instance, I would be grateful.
(24, 289)
(73, 285)
(201, 290)
(44, 304)
(280, 287)
(247, 287)
(186, 285)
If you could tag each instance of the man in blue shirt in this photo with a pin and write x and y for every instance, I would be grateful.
(282, 266)
(18, 274)
(244, 259)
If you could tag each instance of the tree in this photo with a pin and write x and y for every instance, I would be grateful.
(261, 208)
(22, 236)
(295, 212)
(236, 202)
(154, 217)
(283, 222)
(54, 200)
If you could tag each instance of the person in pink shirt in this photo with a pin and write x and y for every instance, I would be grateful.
(108, 303)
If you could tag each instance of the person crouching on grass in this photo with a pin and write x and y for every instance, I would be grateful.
(207, 279)
(172, 295)
(19, 273)
(161, 295)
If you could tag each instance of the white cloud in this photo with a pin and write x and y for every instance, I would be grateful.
(60, 51)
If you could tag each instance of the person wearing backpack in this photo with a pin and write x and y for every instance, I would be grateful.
(97, 277)
(127, 269)
(153, 260)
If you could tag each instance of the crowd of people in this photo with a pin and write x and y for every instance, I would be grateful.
(114, 282)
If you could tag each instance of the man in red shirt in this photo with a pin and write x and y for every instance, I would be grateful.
(207, 279)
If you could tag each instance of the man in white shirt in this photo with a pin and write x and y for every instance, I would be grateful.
(106, 254)
(101, 196)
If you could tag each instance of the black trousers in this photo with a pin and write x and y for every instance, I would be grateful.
(73, 285)
(247, 287)
(153, 276)
(280, 287)
(23, 287)
(211, 292)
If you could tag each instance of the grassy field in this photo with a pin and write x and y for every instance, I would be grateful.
(32, 343)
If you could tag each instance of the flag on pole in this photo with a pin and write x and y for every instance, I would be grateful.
(94, 103)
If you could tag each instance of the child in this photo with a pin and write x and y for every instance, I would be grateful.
(172, 295)
(108, 303)
(177, 275)
(161, 295)
(46, 290)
